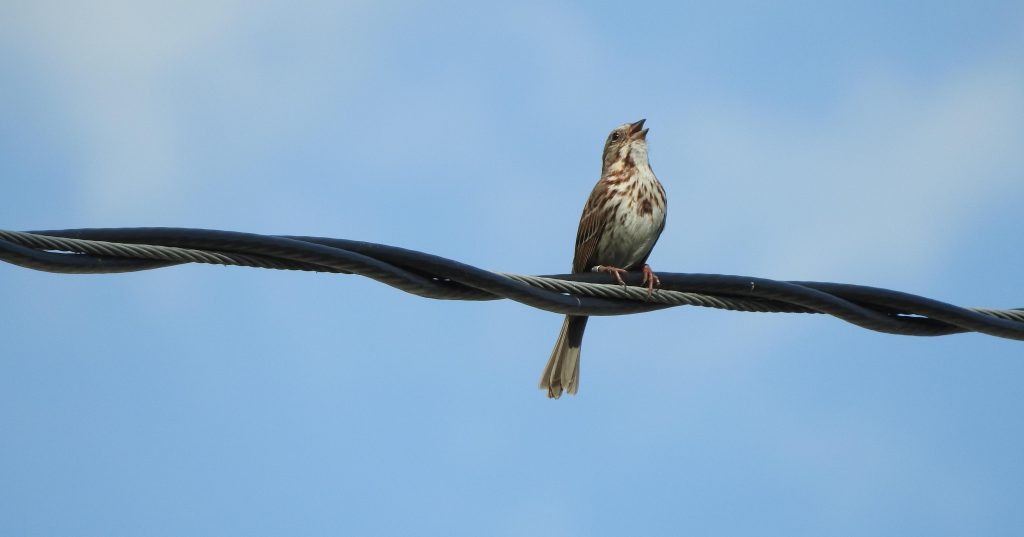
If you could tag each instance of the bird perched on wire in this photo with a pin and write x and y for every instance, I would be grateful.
(621, 221)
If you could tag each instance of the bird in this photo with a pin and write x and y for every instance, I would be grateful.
(621, 222)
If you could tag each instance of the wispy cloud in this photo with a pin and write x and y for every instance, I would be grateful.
(126, 73)
(878, 185)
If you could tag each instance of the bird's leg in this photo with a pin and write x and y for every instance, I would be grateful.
(614, 271)
(650, 279)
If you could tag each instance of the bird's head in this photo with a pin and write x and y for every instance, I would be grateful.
(626, 147)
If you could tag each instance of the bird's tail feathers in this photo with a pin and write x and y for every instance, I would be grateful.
(562, 371)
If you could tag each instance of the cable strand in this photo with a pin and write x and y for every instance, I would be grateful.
(115, 250)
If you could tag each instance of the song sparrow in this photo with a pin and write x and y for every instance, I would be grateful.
(620, 224)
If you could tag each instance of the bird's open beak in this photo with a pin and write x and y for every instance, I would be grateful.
(637, 130)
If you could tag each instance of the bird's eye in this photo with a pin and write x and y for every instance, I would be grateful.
(616, 136)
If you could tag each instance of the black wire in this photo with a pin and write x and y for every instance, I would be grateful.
(436, 277)
(73, 263)
(398, 276)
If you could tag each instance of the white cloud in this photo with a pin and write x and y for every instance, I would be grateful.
(879, 186)
(119, 68)
(109, 61)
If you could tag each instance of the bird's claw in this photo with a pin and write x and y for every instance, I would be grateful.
(614, 271)
(650, 280)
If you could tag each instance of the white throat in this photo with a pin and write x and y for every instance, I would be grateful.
(638, 152)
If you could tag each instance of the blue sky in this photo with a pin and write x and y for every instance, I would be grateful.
(873, 142)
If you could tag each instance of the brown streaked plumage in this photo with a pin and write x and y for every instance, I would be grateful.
(621, 221)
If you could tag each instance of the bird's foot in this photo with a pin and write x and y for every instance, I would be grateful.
(614, 271)
(650, 280)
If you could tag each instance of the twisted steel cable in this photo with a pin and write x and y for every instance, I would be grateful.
(113, 250)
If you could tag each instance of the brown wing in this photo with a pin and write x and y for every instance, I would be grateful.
(591, 228)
